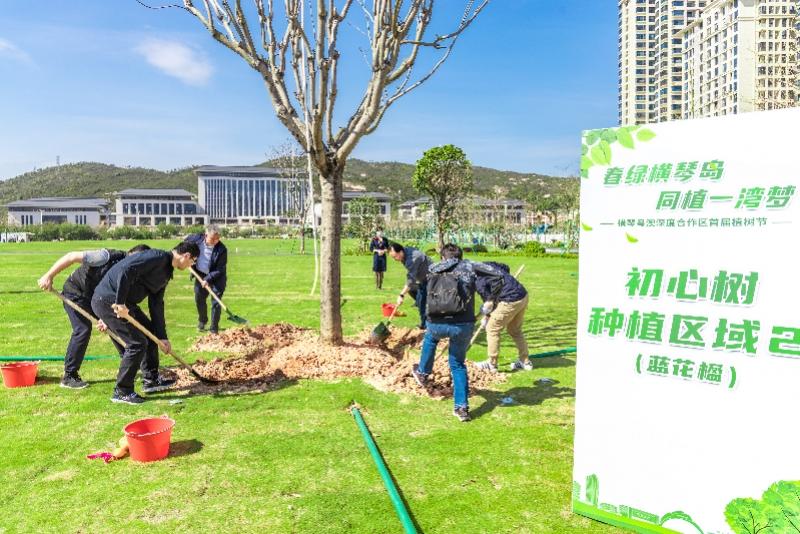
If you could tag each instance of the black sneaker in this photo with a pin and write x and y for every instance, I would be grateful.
(214, 330)
(201, 327)
(73, 382)
(159, 384)
(421, 378)
(127, 398)
(462, 413)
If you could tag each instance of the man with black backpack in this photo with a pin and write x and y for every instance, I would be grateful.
(79, 288)
(451, 315)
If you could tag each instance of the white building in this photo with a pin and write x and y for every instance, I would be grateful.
(650, 66)
(739, 56)
(383, 201)
(250, 195)
(480, 210)
(88, 211)
(151, 207)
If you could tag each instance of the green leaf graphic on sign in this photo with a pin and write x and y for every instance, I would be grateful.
(645, 134)
(630, 238)
(608, 135)
(584, 149)
(625, 138)
(592, 136)
(601, 153)
(586, 226)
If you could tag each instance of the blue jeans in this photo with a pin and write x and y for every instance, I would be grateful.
(421, 301)
(459, 335)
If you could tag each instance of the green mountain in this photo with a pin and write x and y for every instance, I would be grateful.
(89, 179)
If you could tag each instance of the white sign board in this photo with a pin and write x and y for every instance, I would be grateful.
(688, 377)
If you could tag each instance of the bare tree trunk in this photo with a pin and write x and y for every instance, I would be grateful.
(330, 317)
(440, 231)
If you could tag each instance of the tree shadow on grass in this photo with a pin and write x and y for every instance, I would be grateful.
(522, 396)
(184, 447)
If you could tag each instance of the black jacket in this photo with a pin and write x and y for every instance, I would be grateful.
(469, 272)
(138, 276)
(217, 274)
(512, 289)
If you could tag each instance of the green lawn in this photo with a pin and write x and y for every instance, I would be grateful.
(292, 459)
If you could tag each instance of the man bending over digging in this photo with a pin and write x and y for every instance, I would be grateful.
(79, 288)
(451, 315)
(118, 297)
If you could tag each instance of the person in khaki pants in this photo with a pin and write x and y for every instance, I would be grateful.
(508, 314)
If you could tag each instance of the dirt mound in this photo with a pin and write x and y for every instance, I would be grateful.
(267, 354)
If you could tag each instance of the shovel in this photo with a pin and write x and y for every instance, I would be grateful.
(381, 332)
(163, 348)
(87, 315)
(231, 316)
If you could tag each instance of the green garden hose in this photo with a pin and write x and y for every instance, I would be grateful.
(394, 494)
(553, 353)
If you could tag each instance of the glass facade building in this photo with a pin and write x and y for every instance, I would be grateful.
(250, 195)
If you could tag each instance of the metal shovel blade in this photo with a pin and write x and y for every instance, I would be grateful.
(379, 334)
(232, 317)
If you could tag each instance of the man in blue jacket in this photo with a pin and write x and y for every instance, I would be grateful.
(212, 266)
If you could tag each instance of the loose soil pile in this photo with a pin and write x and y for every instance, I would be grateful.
(263, 356)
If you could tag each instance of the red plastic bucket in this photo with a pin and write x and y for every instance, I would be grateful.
(19, 374)
(387, 309)
(148, 439)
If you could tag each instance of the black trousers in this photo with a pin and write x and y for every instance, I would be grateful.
(140, 352)
(81, 334)
(200, 297)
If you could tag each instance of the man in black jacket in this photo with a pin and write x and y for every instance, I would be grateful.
(79, 288)
(212, 266)
(416, 263)
(117, 297)
(451, 315)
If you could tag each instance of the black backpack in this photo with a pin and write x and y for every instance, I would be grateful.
(447, 294)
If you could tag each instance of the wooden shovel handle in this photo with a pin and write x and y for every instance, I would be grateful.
(140, 327)
(87, 315)
(214, 295)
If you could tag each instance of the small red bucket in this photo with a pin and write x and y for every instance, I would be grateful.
(19, 374)
(387, 310)
(148, 439)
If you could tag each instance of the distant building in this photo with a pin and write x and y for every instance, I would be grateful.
(739, 56)
(89, 211)
(481, 210)
(151, 207)
(383, 201)
(249, 195)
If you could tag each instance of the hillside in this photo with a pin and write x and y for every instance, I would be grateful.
(90, 179)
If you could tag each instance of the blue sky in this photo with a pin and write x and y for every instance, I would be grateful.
(111, 81)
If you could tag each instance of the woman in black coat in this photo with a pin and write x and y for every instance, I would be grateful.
(378, 247)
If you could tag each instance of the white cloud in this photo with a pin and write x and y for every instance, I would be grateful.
(10, 50)
(176, 59)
